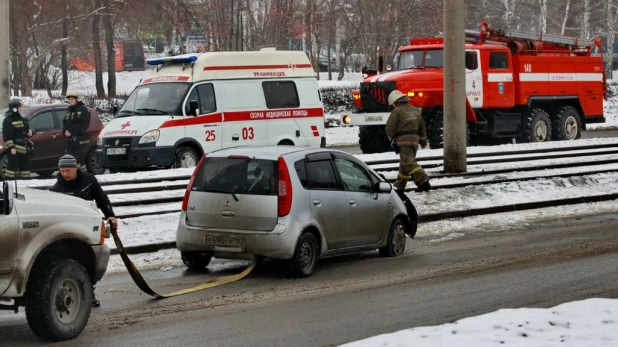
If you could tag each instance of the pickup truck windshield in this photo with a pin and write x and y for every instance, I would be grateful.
(154, 99)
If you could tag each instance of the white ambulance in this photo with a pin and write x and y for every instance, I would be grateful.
(192, 104)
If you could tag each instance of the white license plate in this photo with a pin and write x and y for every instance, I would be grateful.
(373, 118)
(226, 241)
(116, 151)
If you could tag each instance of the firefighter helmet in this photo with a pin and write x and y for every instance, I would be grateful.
(397, 96)
(14, 104)
(73, 94)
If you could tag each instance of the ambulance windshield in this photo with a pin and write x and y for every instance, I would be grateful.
(155, 99)
(414, 59)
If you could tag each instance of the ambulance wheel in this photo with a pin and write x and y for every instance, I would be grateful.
(537, 127)
(285, 143)
(435, 130)
(93, 165)
(371, 141)
(567, 124)
(186, 157)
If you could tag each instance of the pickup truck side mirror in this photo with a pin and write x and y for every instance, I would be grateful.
(7, 198)
(194, 108)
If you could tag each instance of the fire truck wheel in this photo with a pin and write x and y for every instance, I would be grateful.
(435, 132)
(567, 124)
(371, 141)
(538, 126)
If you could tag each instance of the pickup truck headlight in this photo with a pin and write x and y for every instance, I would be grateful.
(151, 136)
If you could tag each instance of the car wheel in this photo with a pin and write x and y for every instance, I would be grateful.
(396, 240)
(186, 157)
(59, 299)
(196, 260)
(305, 255)
(93, 165)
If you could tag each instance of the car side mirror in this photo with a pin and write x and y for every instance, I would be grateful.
(115, 109)
(7, 198)
(384, 187)
(194, 108)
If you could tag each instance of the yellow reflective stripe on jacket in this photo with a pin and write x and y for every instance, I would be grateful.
(18, 124)
(84, 142)
(8, 143)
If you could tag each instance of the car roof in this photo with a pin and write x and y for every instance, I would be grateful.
(268, 152)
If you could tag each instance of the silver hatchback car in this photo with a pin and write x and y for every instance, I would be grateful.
(292, 203)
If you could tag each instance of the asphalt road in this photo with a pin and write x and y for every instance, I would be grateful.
(585, 135)
(354, 297)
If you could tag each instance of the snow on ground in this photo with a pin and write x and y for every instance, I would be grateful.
(591, 322)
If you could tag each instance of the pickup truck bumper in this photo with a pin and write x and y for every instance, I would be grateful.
(375, 118)
(101, 256)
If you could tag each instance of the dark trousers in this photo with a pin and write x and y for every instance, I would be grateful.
(409, 167)
(78, 149)
(18, 166)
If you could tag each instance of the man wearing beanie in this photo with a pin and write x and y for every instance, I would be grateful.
(72, 181)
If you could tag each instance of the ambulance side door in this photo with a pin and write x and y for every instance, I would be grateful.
(244, 113)
(206, 128)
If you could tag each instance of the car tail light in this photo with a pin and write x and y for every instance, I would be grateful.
(185, 200)
(284, 201)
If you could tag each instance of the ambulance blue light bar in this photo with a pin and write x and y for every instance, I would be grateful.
(179, 59)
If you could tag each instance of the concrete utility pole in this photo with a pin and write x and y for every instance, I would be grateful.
(455, 129)
(5, 87)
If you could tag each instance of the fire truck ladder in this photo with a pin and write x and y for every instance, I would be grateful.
(500, 35)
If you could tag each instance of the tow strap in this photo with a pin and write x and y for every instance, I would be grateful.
(141, 283)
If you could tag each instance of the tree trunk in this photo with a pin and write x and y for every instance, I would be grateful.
(15, 74)
(611, 33)
(111, 52)
(63, 60)
(566, 16)
(24, 76)
(586, 20)
(543, 17)
(96, 48)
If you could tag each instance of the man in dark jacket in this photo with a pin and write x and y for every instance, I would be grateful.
(83, 185)
(15, 133)
(75, 128)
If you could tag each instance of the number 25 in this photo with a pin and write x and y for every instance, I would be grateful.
(210, 135)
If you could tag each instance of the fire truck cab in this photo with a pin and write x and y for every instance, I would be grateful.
(526, 86)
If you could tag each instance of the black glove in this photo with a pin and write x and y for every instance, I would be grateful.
(394, 146)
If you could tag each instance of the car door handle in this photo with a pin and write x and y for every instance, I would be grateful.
(316, 202)
(54, 136)
(352, 202)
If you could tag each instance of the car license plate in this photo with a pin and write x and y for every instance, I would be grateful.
(116, 151)
(226, 241)
(373, 118)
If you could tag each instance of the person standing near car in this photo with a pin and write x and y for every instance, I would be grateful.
(406, 129)
(72, 181)
(15, 133)
(75, 129)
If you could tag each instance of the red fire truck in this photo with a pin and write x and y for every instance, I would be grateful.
(527, 86)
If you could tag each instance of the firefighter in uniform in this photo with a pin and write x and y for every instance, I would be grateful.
(405, 129)
(72, 181)
(15, 133)
(75, 128)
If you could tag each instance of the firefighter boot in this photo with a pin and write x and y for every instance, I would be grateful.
(424, 187)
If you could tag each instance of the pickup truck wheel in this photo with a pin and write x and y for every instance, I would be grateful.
(58, 299)
(196, 260)
(93, 165)
(305, 255)
(395, 241)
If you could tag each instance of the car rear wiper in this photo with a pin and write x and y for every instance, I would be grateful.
(152, 110)
(222, 191)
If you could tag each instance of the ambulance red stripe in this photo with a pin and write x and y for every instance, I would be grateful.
(256, 67)
(296, 113)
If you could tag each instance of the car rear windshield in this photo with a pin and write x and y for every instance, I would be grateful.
(237, 175)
